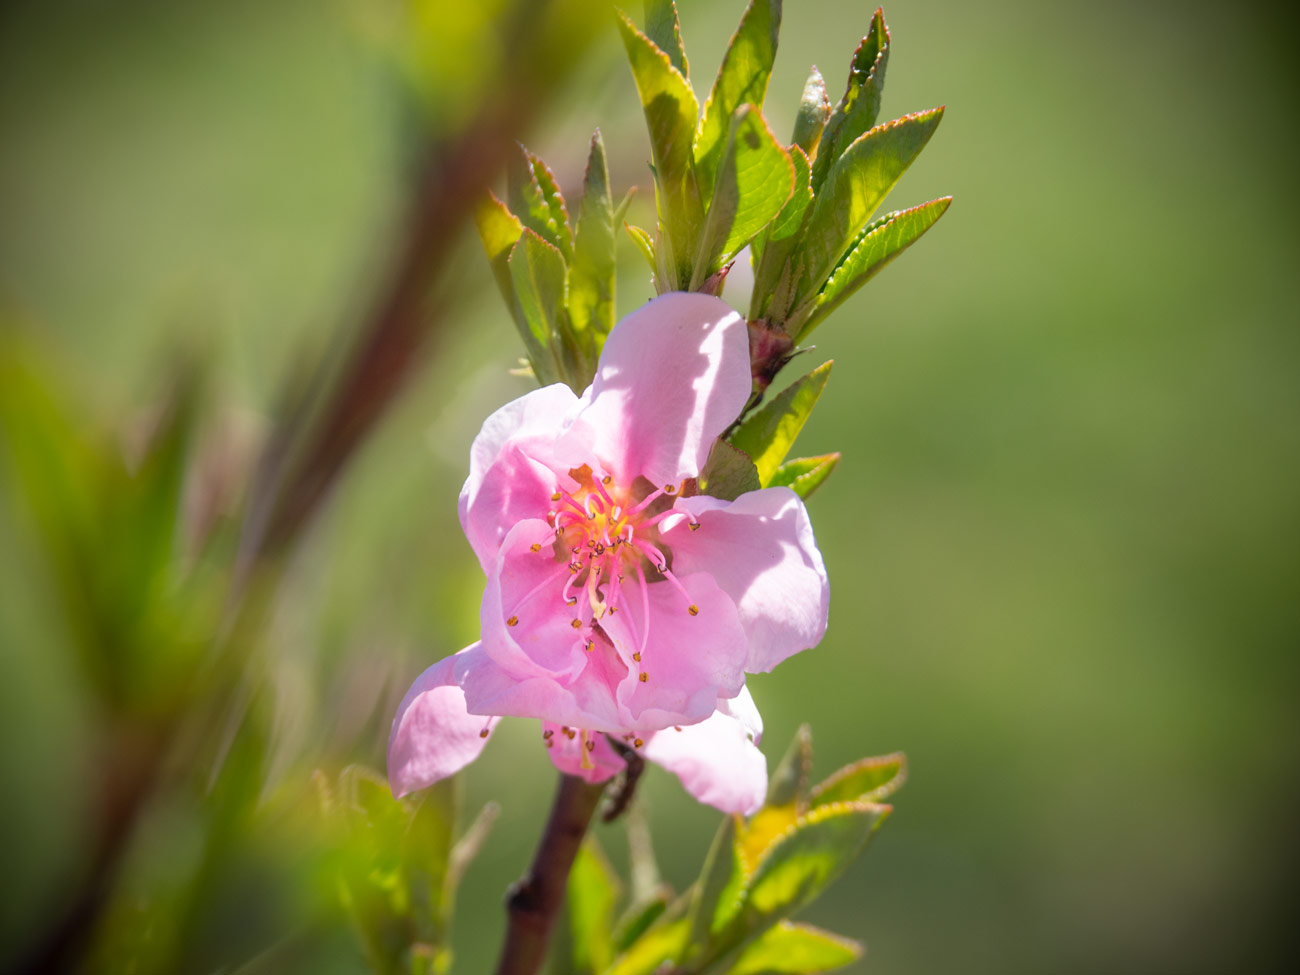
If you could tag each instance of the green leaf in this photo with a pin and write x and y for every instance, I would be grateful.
(814, 110)
(805, 475)
(768, 434)
(755, 179)
(860, 105)
(670, 112)
(664, 942)
(637, 920)
(591, 278)
(742, 79)
(664, 29)
(536, 199)
(857, 183)
(774, 278)
(796, 949)
(868, 780)
(729, 473)
(789, 782)
(499, 229)
(537, 274)
(803, 862)
(877, 245)
(715, 896)
(645, 244)
(592, 896)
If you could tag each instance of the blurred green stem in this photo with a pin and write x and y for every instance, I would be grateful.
(536, 899)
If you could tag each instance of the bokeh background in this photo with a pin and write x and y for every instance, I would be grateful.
(1064, 540)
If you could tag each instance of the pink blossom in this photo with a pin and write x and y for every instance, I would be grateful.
(619, 600)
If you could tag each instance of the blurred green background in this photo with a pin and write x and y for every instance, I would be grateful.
(1064, 540)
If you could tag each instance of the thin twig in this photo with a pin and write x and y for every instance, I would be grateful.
(534, 901)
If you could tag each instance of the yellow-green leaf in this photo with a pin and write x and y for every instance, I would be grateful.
(663, 27)
(742, 79)
(860, 105)
(499, 229)
(868, 780)
(591, 278)
(537, 273)
(814, 110)
(664, 942)
(796, 949)
(592, 895)
(805, 475)
(728, 473)
(768, 434)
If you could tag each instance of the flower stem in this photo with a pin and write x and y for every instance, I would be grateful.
(535, 900)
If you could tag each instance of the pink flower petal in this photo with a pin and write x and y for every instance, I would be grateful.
(673, 375)
(572, 757)
(490, 505)
(761, 550)
(690, 660)
(433, 735)
(716, 761)
(743, 709)
(527, 625)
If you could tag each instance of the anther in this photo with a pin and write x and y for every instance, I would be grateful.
(483, 733)
(513, 621)
(638, 742)
(591, 745)
(600, 549)
(550, 743)
(606, 479)
(693, 609)
(637, 656)
(576, 624)
(669, 489)
(571, 601)
(695, 526)
(677, 727)
(556, 496)
(575, 566)
(590, 645)
(613, 610)
(536, 546)
(644, 678)
(548, 734)
(569, 732)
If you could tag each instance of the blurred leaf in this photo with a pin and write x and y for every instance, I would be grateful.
(768, 434)
(875, 247)
(729, 473)
(670, 112)
(537, 273)
(535, 197)
(805, 860)
(755, 179)
(592, 896)
(868, 780)
(645, 243)
(665, 30)
(857, 183)
(637, 919)
(468, 847)
(814, 110)
(742, 79)
(591, 278)
(499, 229)
(860, 105)
(804, 475)
(663, 942)
(795, 949)
(714, 898)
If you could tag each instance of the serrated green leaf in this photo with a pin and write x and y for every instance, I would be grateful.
(796, 949)
(877, 245)
(755, 179)
(591, 278)
(805, 475)
(536, 200)
(855, 187)
(645, 244)
(537, 273)
(670, 112)
(729, 473)
(742, 79)
(859, 107)
(715, 896)
(663, 27)
(664, 942)
(868, 780)
(768, 434)
(802, 863)
(814, 110)
(592, 896)
(499, 229)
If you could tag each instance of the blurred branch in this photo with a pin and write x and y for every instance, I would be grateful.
(536, 899)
